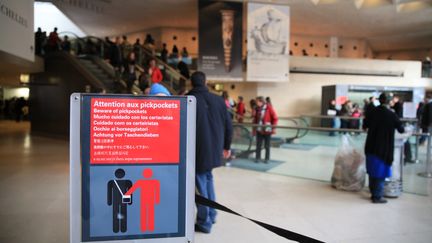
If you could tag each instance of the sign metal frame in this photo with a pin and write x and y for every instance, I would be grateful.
(76, 168)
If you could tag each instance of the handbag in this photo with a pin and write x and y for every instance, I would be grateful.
(125, 198)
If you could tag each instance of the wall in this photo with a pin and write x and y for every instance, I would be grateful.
(166, 35)
(302, 95)
(50, 93)
(16, 26)
(245, 89)
(319, 46)
(15, 92)
(418, 55)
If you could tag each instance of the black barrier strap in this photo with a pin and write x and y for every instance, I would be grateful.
(279, 231)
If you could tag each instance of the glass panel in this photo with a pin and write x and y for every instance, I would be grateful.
(311, 154)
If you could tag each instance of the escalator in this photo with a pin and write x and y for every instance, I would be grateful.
(243, 142)
(104, 72)
(83, 69)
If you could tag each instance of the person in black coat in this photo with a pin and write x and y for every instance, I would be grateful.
(380, 123)
(369, 107)
(184, 71)
(426, 117)
(213, 140)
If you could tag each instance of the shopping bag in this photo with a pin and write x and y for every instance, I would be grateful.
(349, 171)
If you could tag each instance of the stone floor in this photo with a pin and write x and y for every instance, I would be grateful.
(34, 174)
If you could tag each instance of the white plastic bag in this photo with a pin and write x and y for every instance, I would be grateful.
(349, 170)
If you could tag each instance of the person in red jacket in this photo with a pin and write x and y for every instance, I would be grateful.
(241, 110)
(264, 115)
(154, 72)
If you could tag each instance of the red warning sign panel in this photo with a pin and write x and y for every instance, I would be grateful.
(134, 131)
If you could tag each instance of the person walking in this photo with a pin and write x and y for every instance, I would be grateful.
(380, 123)
(213, 141)
(54, 40)
(154, 72)
(241, 110)
(265, 116)
(346, 111)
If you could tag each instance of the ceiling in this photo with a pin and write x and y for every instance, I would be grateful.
(386, 24)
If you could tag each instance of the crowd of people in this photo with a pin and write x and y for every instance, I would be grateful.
(50, 43)
(14, 109)
(261, 112)
(127, 59)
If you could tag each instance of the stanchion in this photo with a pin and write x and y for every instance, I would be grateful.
(428, 172)
(416, 160)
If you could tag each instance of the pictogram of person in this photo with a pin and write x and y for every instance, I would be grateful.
(150, 196)
(116, 199)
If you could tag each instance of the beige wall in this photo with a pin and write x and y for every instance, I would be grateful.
(419, 55)
(302, 95)
(316, 46)
(246, 89)
(166, 35)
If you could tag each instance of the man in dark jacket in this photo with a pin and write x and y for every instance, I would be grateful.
(213, 140)
(381, 123)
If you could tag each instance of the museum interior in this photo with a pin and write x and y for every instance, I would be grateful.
(97, 93)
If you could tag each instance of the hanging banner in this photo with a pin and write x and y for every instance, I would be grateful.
(268, 42)
(220, 40)
(132, 168)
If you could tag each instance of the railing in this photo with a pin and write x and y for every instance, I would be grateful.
(176, 82)
(312, 156)
(410, 120)
(413, 121)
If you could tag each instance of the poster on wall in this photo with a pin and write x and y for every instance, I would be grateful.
(220, 40)
(268, 42)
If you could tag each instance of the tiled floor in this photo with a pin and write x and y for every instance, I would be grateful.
(34, 202)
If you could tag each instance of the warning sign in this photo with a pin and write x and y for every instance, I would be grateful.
(132, 169)
(134, 131)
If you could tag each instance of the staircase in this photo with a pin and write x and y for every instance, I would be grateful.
(103, 72)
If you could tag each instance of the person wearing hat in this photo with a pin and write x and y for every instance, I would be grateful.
(159, 90)
(213, 141)
(380, 123)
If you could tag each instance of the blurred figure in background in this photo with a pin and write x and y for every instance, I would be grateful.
(332, 111)
(53, 41)
(184, 52)
(266, 117)
(370, 106)
(346, 111)
(138, 51)
(241, 110)
(426, 121)
(356, 113)
(154, 72)
(184, 71)
(66, 45)
(252, 105)
(164, 53)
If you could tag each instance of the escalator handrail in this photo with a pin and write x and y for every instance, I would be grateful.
(249, 137)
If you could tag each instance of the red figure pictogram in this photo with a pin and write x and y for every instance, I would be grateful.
(150, 196)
